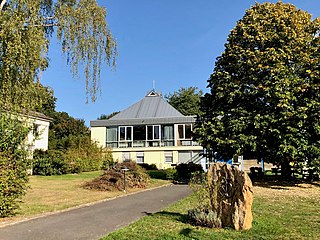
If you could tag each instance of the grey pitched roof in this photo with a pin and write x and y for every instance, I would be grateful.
(152, 109)
(151, 106)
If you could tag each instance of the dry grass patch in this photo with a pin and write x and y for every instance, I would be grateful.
(55, 193)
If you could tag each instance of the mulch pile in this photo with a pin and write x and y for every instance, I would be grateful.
(113, 178)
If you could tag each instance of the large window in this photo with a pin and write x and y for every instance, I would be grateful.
(167, 135)
(139, 133)
(153, 132)
(184, 131)
(112, 137)
(125, 133)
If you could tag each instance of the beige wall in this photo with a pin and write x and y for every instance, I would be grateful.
(40, 141)
(99, 135)
(154, 155)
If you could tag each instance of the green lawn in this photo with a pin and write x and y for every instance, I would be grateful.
(280, 212)
(55, 193)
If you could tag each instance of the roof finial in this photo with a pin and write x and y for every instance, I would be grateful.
(153, 85)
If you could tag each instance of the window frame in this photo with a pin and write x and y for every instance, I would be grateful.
(125, 134)
(184, 131)
(168, 155)
(153, 133)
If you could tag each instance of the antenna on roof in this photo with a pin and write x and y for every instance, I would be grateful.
(153, 85)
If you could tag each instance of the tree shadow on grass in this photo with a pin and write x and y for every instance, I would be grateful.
(183, 218)
(173, 215)
(278, 183)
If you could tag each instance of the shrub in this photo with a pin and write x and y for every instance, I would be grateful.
(14, 163)
(204, 218)
(157, 174)
(185, 171)
(83, 155)
(113, 178)
(147, 166)
(51, 162)
(167, 174)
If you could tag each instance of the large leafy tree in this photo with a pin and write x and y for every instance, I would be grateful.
(26, 28)
(264, 97)
(186, 100)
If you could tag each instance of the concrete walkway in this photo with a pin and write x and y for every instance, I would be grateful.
(95, 221)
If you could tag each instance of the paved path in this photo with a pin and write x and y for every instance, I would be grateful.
(95, 221)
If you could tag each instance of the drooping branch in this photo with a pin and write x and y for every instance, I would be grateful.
(3, 2)
(86, 40)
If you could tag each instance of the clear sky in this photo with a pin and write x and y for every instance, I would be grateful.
(172, 42)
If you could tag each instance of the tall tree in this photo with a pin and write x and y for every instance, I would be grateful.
(265, 86)
(26, 27)
(107, 116)
(186, 100)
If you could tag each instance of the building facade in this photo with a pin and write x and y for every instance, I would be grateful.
(150, 131)
(38, 137)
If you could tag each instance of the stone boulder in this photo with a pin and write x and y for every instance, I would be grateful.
(231, 195)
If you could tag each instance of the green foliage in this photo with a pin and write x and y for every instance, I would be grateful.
(47, 163)
(26, 29)
(204, 218)
(13, 163)
(107, 116)
(147, 166)
(82, 155)
(166, 174)
(186, 100)
(63, 130)
(264, 97)
(185, 171)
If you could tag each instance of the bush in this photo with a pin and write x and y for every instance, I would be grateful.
(147, 166)
(51, 162)
(113, 178)
(167, 174)
(204, 218)
(185, 171)
(14, 163)
(157, 174)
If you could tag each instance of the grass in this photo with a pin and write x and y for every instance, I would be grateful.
(281, 211)
(54, 193)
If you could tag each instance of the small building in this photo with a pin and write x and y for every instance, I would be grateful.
(39, 135)
(150, 131)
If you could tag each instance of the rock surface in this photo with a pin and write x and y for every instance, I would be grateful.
(231, 195)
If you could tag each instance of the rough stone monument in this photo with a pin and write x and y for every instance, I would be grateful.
(231, 195)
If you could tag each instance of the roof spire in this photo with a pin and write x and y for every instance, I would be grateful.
(153, 85)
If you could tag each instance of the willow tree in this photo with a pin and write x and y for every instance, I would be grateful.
(264, 95)
(26, 28)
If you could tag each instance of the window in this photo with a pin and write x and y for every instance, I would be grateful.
(139, 133)
(168, 157)
(167, 132)
(153, 132)
(125, 133)
(111, 134)
(167, 135)
(184, 131)
(125, 156)
(112, 137)
(140, 157)
(36, 130)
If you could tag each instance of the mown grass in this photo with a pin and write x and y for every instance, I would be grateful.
(280, 212)
(54, 193)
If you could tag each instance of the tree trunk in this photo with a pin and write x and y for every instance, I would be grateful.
(286, 172)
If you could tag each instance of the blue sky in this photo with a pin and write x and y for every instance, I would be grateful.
(172, 42)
